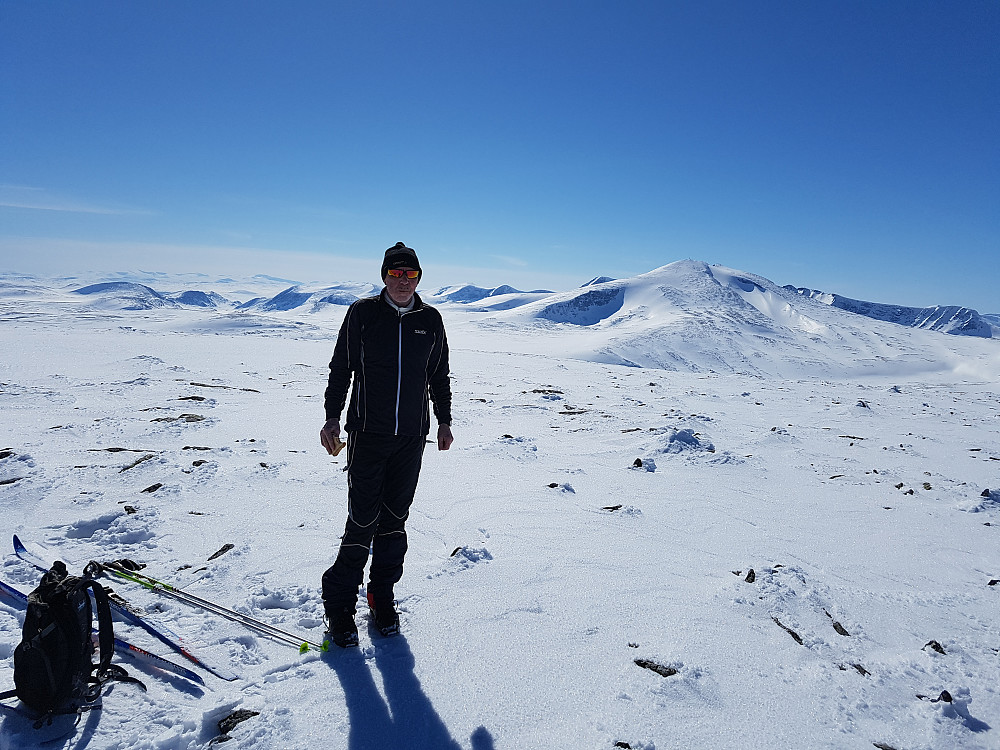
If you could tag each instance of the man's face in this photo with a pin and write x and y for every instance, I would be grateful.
(401, 288)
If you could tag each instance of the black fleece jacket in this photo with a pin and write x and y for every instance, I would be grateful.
(397, 360)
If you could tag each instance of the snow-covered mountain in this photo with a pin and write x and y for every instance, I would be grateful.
(602, 297)
(196, 298)
(484, 300)
(598, 280)
(687, 315)
(301, 298)
(124, 295)
(594, 302)
(471, 293)
(127, 295)
(951, 319)
(692, 316)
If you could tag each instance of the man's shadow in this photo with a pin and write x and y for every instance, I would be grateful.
(70, 732)
(405, 717)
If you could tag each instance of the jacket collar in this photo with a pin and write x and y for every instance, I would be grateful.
(417, 302)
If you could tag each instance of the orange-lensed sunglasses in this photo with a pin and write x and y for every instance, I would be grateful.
(399, 273)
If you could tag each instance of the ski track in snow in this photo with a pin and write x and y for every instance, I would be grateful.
(590, 516)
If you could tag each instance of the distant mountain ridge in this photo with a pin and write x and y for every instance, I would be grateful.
(297, 297)
(961, 321)
(595, 301)
(128, 295)
(466, 293)
(600, 297)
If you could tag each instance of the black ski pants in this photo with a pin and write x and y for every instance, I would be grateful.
(382, 473)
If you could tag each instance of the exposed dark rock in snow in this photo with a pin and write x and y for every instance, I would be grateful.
(230, 722)
(223, 550)
(660, 669)
(135, 463)
(180, 418)
(795, 636)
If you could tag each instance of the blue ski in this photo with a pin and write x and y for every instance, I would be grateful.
(124, 647)
(159, 631)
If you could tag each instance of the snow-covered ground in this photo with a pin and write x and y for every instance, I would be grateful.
(593, 520)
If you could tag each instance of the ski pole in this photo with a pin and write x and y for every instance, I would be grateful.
(119, 570)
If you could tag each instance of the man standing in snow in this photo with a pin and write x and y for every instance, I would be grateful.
(394, 347)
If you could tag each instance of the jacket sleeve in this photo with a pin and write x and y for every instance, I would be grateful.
(345, 359)
(439, 382)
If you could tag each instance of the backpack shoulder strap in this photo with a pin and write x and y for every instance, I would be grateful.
(105, 670)
(105, 629)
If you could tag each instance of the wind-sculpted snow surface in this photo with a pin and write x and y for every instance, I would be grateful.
(608, 557)
(949, 319)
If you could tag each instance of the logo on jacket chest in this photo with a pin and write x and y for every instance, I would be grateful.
(420, 331)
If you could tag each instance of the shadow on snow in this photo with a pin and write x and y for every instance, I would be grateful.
(405, 716)
(72, 732)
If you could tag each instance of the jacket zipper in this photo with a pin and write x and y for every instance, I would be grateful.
(399, 369)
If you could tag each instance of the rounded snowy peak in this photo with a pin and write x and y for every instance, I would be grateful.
(124, 295)
(597, 280)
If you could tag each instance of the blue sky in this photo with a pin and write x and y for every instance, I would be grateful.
(847, 146)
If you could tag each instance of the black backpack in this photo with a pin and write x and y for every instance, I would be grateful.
(53, 669)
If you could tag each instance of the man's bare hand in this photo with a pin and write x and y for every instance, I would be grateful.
(445, 438)
(329, 437)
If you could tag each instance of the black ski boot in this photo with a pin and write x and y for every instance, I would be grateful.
(341, 628)
(384, 615)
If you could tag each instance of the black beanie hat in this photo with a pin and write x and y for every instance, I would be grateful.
(400, 255)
